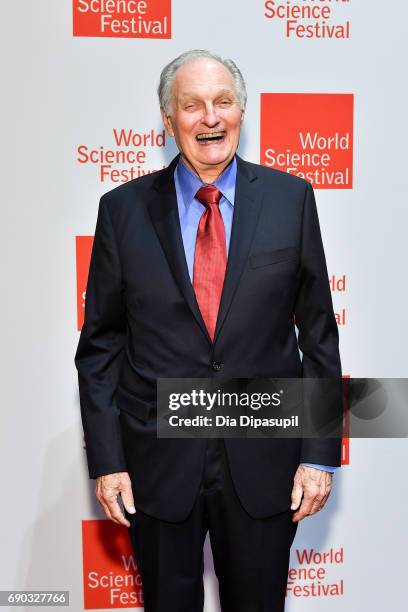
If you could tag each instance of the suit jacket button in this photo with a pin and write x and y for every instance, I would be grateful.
(216, 366)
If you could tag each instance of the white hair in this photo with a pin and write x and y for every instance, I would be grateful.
(164, 89)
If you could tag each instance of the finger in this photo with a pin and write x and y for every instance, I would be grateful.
(299, 515)
(100, 498)
(127, 499)
(296, 495)
(321, 497)
(116, 512)
(105, 509)
(325, 491)
(106, 498)
(107, 492)
(304, 509)
(322, 503)
(317, 504)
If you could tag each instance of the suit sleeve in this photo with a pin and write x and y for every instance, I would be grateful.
(100, 351)
(318, 337)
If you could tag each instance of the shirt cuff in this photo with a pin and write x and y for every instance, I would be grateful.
(326, 468)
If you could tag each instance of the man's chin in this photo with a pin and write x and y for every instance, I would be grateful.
(214, 158)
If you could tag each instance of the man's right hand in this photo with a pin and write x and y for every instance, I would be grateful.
(107, 489)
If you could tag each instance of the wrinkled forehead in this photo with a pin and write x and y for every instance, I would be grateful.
(202, 78)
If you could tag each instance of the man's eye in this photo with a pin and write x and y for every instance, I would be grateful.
(189, 106)
(225, 102)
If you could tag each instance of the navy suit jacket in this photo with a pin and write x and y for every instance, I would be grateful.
(142, 322)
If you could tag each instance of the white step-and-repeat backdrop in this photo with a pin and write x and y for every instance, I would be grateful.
(328, 101)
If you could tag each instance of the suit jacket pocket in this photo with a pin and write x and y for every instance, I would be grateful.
(272, 257)
(129, 402)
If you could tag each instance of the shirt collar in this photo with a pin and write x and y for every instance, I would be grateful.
(190, 183)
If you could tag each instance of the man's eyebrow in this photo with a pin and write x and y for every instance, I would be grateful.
(224, 92)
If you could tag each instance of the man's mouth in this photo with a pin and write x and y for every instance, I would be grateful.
(210, 137)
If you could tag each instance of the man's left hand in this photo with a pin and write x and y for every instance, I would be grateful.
(315, 486)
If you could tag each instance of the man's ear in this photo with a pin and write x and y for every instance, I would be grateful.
(167, 122)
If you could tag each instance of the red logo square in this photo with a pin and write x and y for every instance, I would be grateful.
(309, 135)
(83, 258)
(122, 18)
(111, 577)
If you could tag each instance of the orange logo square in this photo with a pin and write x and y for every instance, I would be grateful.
(111, 577)
(309, 135)
(83, 258)
(122, 18)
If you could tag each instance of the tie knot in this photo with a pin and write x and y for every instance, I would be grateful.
(208, 195)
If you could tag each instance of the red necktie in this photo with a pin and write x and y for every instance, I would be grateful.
(210, 257)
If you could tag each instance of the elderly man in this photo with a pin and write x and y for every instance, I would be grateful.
(202, 270)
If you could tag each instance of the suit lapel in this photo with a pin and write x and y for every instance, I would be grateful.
(164, 214)
(247, 205)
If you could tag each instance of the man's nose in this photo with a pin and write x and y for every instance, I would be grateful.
(210, 117)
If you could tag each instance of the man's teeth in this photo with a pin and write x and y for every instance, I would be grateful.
(210, 136)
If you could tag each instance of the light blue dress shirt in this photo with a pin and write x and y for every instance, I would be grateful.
(190, 210)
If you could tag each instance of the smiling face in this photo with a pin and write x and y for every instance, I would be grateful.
(205, 117)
